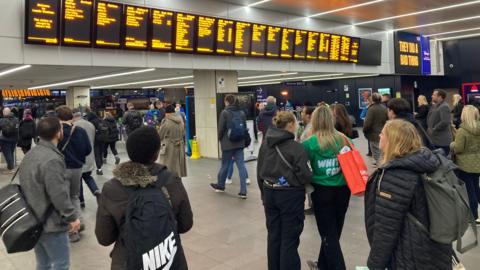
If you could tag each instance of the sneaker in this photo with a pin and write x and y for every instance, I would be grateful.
(248, 181)
(313, 265)
(217, 188)
(99, 172)
(309, 211)
(477, 221)
(117, 160)
(229, 181)
(242, 196)
(74, 237)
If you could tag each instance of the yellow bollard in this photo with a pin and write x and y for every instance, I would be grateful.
(195, 150)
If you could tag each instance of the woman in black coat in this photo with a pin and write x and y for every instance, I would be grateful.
(394, 190)
(422, 111)
(26, 131)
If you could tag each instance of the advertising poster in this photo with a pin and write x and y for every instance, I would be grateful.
(363, 95)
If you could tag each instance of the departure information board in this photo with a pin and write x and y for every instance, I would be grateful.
(259, 38)
(162, 30)
(273, 41)
(136, 27)
(206, 34)
(355, 46)
(225, 42)
(335, 44)
(288, 43)
(300, 44)
(243, 36)
(108, 24)
(185, 32)
(345, 49)
(312, 46)
(324, 46)
(77, 22)
(42, 22)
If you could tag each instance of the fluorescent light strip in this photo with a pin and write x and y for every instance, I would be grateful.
(142, 82)
(292, 78)
(258, 3)
(12, 70)
(458, 37)
(346, 77)
(438, 23)
(267, 76)
(453, 32)
(93, 78)
(168, 85)
(254, 84)
(346, 8)
(419, 12)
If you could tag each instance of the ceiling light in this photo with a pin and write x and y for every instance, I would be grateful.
(257, 84)
(258, 3)
(93, 78)
(346, 8)
(267, 76)
(291, 78)
(168, 85)
(453, 32)
(142, 82)
(438, 23)
(12, 70)
(458, 37)
(346, 77)
(419, 12)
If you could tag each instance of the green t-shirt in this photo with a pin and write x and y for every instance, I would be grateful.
(324, 162)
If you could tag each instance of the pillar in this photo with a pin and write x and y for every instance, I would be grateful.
(207, 84)
(78, 96)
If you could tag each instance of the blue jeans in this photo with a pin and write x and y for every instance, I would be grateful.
(239, 159)
(92, 185)
(52, 251)
(8, 149)
(230, 170)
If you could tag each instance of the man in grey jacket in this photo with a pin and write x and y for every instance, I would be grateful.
(440, 122)
(47, 191)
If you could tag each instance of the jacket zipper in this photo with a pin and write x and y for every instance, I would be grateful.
(380, 181)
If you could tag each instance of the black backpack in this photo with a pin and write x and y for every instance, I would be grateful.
(102, 133)
(236, 127)
(135, 120)
(10, 128)
(27, 130)
(150, 231)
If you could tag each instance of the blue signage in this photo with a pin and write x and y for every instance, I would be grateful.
(426, 60)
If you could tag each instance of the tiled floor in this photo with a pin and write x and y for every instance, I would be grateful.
(228, 233)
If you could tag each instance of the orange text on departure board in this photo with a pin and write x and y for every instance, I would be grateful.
(224, 34)
(324, 46)
(103, 20)
(354, 51)
(135, 18)
(312, 45)
(335, 43)
(409, 54)
(273, 38)
(205, 30)
(240, 42)
(345, 49)
(163, 19)
(184, 32)
(45, 20)
(22, 93)
(286, 47)
(258, 37)
(73, 12)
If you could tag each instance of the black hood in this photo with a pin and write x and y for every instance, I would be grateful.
(407, 117)
(91, 116)
(270, 110)
(276, 136)
(422, 161)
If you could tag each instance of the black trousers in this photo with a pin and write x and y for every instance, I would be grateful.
(285, 220)
(98, 149)
(113, 147)
(330, 205)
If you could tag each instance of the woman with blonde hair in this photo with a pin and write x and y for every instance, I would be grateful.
(422, 111)
(394, 190)
(331, 195)
(466, 149)
(457, 110)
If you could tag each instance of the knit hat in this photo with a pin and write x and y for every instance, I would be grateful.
(143, 144)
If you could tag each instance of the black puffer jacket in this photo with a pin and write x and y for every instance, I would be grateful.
(396, 242)
(113, 133)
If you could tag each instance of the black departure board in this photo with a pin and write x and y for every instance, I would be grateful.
(287, 43)
(206, 34)
(335, 44)
(324, 46)
(136, 27)
(108, 25)
(42, 22)
(243, 36)
(185, 32)
(312, 46)
(77, 22)
(273, 41)
(225, 43)
(300, 44)
(161, 30)
(345, 49)
(259, 38)
(354, 48)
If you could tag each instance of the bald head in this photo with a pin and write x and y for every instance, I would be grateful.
(7, 112)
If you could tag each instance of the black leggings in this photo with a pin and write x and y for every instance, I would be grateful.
(98, 149)
(113, 147)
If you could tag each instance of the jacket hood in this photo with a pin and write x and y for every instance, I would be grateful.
(232, 108)
(422, 161)
(134, 174)
(176, 118)
(276, 136)
(475, 131)
(91, 116)
(270, 109)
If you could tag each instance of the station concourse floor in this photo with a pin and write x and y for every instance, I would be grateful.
(228, 233)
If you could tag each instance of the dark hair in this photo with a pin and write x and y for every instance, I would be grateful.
(386, 95)
(143, 145)
(48, 127)
(170, 109)
(50, 107)
(230, 99)
(64, 113)
(376, 98)
(400, 107)
(309, 110)
(342, 120)
(441, 93)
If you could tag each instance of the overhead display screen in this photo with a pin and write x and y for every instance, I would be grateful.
(185, 32)
(42, 22)
(77, 22)
(335, 44)
(136, 27)
(300, 44)
(243, 36)
(108, 24)
(259, 38)
(225, 42)
(354, 50)
(161, 30)
(408, 53)
(324, 46)
(273, 41)
(345, 49)
(312, 46)
(206, 34)
(288, 43)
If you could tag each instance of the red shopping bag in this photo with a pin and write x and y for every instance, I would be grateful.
(354, 169)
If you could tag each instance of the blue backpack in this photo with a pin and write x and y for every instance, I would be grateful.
(236, 127)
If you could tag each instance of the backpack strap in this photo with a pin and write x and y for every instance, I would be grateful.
(68, 140)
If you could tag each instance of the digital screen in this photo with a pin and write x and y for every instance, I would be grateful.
(185, 32)
(136, 27)
(22, 93)
(355, 46)
(335, 44)
(77, 22)
(408, 53)
(243, 35)
(108, 25)
(206, 34)
(371, 52)
(300, 44)
(324, 46)
(225, 43)
(312, 46)
(42, 22)
(273, 41)
(345, 49)
(259, 38)
(162, 30)
(288, 43)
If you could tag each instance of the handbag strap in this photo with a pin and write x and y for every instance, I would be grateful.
(284, 159)
(15, 175)
(68, 140)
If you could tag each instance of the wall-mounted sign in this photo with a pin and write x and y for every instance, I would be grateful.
(363, 95)
(22, 93)
(299, 83)
(412, 54)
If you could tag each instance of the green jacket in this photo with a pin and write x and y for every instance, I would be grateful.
(467, 148)
(324, 162)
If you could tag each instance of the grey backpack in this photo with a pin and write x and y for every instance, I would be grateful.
(448, 206)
